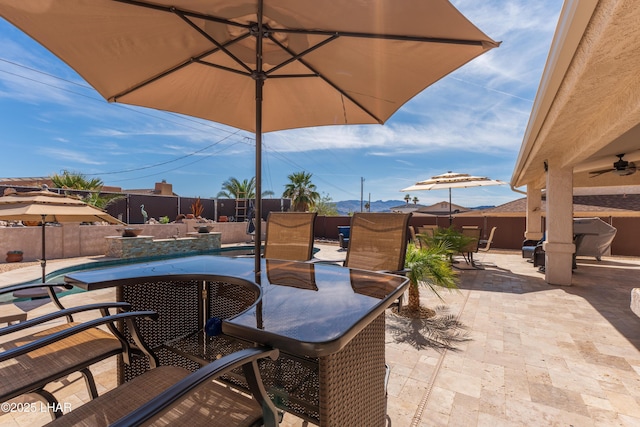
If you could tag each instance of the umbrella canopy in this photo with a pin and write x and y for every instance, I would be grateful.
(258, 65)
(50, 207)
(46, 206)
(451, 180)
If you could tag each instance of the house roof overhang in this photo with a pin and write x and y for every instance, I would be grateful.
(587, 109)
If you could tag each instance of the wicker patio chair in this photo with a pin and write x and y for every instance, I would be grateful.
(169, 395)
(32, 357)
(290, 236)
(378, 241)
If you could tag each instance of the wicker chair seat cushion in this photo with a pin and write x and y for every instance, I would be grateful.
(53, 361)
(210, 404)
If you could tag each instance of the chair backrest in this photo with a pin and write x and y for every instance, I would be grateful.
(487, 245)
(378, 241)
(290, 236)
(414, 237)
(427, 229)
(472, 246)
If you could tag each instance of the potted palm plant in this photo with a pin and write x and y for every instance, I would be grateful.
(430, 267)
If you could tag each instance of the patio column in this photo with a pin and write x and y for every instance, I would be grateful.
(559, 247)
(534, 214)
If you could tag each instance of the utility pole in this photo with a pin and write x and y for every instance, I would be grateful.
(361, 194)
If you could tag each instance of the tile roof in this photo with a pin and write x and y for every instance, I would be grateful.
(583, 205)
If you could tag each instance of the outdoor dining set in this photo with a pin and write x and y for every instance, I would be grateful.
(307, 338)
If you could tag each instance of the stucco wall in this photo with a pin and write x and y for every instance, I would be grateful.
(74, 240)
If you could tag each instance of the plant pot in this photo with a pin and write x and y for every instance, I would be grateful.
(203, 228)
(13, 257)
(129, 231)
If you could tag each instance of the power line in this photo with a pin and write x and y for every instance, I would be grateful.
(179, 167)
(170, 161)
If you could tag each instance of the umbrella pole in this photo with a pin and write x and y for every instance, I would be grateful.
(450, 216)
(43, 261)
(258, 206)
(259, 77)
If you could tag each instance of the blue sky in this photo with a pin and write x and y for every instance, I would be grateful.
(472, 121)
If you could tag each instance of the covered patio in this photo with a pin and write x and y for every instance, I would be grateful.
(530, 354)
(584, 120)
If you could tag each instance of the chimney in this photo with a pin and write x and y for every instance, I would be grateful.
(163, 189)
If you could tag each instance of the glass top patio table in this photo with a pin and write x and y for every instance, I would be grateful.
(302, 308)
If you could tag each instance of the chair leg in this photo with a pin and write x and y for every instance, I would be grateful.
(55, 409)
(90, 382)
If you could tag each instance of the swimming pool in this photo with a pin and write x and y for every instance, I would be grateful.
(57, 276)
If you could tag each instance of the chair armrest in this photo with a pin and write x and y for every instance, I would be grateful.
(50, 291)
(14, 288)
(63, 313)
(402, 272)
(246, 358)
(50, 339)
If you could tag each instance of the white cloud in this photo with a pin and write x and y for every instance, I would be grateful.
(71, 156)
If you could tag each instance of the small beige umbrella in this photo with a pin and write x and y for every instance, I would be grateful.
(46, 206)
(258, 65)
(451, 180)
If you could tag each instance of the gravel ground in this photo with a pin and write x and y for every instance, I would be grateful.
(9, 266)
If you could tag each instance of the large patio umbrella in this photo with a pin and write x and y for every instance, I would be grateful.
(46, 206)
(451, 180)
(258, 65)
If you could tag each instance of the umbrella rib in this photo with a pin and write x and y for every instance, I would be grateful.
(195, 59)
(298, 56)
(175, 10)
(219, 45)
(387, 37)
(329, 82)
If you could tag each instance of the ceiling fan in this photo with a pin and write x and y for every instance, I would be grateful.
(620, 167)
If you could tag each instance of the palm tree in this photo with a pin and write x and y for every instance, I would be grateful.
(407, 198)
(232, 188)
(415, 200)
(77, 181)
(301, 191)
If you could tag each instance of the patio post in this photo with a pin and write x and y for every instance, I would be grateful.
(559, 247)
(533, 229)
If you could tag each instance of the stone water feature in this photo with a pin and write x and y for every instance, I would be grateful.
(146, 246)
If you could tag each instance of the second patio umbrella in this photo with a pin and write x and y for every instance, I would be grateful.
(258, 65)
(46, 206)
(451, 180)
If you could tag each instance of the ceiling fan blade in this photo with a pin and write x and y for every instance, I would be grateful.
(600, 172)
